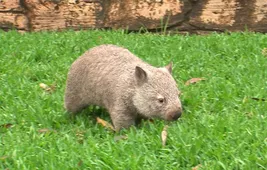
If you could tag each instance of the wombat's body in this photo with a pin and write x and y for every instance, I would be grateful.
(112, 77)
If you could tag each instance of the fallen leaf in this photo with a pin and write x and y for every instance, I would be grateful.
(258, 99)
(104, 123)
(46, 130)
(48, 88)
(197, 167)
(3, 157)
(53, 87)
(264, 52)
(80, 136)
(245, 99)
(121, 137)
(43, 86)
(6, 126)
(193, 81)
(249, 114)
(80, 163)
(164, 135)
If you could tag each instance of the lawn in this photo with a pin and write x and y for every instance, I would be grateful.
(223, 126)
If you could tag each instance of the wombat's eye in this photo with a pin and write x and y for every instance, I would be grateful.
(161, 99)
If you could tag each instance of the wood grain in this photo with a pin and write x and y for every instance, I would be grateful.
(194, 16)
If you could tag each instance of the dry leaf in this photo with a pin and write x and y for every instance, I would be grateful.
(264, 52)
(193, 80)
(80, 136)
(245, 100)
(53, 87)
(164, 135)
(80, 163)
(104, 123)
(258, 99)
(197, 167)
(46, 130)
(48, 88)
(43, 86)
(121, 137)
(6, 126)
(4, 157)
(249, 114)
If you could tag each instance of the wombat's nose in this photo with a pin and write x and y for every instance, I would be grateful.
(175, 115)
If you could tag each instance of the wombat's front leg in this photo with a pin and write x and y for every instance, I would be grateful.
(122, 119)
(73, 103)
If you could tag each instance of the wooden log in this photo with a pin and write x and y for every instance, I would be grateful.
(231, 15)
(149, 14)
(48, 15)
(182, 15)
(12, 15)
(10, 6)
(13, 21)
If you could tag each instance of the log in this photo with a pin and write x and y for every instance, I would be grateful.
(231, 15)
(13, 21)
(193, 16)
(47, 15)
(12, 15)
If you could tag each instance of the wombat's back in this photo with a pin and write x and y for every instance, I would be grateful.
(110, 55)
(94, 77)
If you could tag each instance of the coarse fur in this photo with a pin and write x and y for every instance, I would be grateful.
(112, 77)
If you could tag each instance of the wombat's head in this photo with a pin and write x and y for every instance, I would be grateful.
(156, 94)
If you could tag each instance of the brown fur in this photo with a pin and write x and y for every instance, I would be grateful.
(112, 77)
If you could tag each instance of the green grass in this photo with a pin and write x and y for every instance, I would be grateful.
(222, 127)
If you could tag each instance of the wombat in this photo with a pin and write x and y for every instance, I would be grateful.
(130, 89)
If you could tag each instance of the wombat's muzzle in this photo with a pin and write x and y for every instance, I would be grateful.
(175, 114)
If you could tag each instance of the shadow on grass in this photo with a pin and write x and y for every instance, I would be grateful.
(89, 114)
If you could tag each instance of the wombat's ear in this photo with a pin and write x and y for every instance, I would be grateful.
(140, 74)
(169, 67)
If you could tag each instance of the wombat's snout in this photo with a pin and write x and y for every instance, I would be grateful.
(175, 114)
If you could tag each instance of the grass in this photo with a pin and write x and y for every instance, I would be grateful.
(222, 127)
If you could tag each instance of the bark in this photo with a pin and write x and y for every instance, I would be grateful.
(182, 15)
